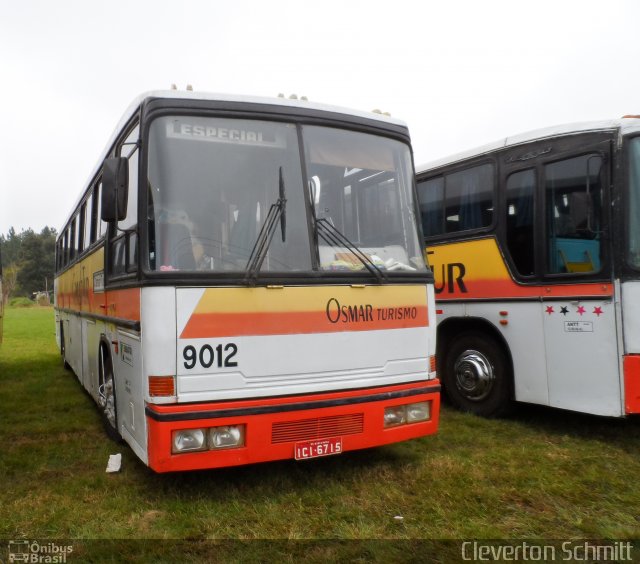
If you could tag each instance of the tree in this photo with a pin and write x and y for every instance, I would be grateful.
(29, 257)
(9, 277)
(11, 247)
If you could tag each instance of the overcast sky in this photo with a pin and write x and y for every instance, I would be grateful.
(460, 73)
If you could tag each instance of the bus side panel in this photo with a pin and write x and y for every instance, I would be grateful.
(94, 331)
(88, 329)
(582, 356)
(525, 340)
(158, 334)
(630, 318)
(631, 340)
(130, 391)
(73, 334)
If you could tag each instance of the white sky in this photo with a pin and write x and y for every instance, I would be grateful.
(460, 73)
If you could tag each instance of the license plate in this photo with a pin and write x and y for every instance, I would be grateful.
(314, 449)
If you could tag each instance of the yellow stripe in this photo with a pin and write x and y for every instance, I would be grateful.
(297, 299)
(481, 258)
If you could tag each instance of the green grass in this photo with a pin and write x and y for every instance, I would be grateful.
(541, 474)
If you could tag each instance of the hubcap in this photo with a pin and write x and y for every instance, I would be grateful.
(474, 375)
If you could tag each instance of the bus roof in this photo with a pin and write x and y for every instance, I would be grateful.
(258, 100)
(269, 101)
(624, 126)
(217, 97)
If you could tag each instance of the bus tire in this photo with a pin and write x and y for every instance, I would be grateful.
(63, 349)
(477, 375)
(107, 395)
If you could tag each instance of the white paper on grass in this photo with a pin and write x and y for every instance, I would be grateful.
(115, 461)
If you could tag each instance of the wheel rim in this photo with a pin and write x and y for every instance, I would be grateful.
(105, 392)
(474, 374)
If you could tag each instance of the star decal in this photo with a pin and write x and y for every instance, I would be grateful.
(598, 311)
(549, 310)
(581, 310)
(564, 310)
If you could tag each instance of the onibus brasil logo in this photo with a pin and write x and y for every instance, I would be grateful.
(38, 552)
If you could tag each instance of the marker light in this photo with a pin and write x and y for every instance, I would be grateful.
(162, 386)
(188, 440)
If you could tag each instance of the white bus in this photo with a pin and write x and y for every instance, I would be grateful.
(243, 280)
(535, 245)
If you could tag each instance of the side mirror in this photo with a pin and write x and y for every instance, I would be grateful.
(115, 188)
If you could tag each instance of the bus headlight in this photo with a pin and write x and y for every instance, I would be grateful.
(419, 411)
(188, 440)
(395, 415)
(229, 436)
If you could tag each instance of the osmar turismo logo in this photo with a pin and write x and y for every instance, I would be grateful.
(38, 552)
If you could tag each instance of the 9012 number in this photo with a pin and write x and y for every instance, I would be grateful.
(222, 356)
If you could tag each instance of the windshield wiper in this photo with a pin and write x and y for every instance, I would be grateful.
(333, 236)
(277, 211)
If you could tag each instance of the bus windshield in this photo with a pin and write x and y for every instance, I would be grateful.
(213, 184)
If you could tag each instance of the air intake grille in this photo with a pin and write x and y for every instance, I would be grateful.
(317, 428)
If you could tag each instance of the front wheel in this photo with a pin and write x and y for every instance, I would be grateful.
(477, 376)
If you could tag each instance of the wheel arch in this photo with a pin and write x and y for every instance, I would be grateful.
(105, 344)
(104, 347)
(452, 326)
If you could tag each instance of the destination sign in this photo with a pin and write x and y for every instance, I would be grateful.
(214, 132)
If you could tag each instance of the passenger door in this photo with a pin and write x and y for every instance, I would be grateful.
(579, 316)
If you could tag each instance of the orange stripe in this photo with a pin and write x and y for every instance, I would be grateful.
(203, 325)
(502, 289)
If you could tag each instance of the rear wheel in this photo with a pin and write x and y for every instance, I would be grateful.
(107, 394)
(477, 376)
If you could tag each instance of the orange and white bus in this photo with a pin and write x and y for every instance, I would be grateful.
(243, 280)
(535, 245)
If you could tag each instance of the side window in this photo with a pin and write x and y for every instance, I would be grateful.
(72, 241)
(520, 190)
(431, 197)
(88, 222)
(100, 227)
(469, 198)
(82, 221)
(574, 215)
(129, 149)
(457, 201)
(65, 249)
(58, 255)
